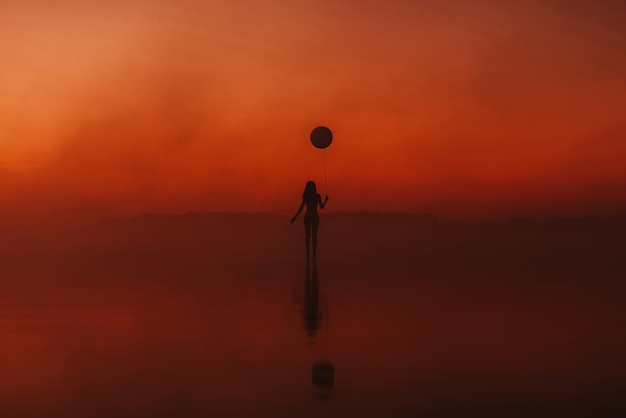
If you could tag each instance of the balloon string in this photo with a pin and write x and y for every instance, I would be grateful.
(325, 183)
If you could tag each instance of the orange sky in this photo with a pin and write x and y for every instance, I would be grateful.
(510, 107)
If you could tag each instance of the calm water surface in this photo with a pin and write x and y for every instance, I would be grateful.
(281, 338)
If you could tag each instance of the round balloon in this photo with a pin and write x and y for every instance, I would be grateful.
(321, 137)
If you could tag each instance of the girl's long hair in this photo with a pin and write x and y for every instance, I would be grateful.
(309, 190)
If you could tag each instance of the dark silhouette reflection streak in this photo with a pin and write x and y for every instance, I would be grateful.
(311, 314)
(314, 317)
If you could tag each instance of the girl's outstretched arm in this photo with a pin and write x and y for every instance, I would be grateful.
(298, 212)
(322, 204)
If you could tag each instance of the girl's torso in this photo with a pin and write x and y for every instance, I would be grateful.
(311, 202)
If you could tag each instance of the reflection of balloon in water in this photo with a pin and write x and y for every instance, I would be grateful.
(323, 374)
(321, 137)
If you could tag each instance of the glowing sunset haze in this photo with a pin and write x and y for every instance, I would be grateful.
(449, 107)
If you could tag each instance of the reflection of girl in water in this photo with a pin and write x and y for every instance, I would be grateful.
(311, 199)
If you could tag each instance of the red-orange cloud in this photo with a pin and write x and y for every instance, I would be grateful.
(436, 106)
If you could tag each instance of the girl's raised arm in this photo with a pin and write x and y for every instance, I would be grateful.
(322, 204)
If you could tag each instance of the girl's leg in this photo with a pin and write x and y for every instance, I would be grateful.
(307, 234)
(315, 223)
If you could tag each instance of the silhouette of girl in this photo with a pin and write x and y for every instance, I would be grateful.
(311, 199)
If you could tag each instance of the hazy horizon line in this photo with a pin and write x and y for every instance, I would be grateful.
(79, 216)
(427, 216)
